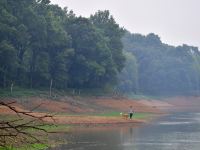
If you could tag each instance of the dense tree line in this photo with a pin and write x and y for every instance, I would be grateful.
(160, 68)
(42, 44)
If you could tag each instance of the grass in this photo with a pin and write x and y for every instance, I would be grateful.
(50, 128)
(109, 114)
(46, 127)
(19, 92)
(117, 114)
(22, 92)
(27, 147)
(40, 146)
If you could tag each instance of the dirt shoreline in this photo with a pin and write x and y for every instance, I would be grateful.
(95, 120)
(80, 108)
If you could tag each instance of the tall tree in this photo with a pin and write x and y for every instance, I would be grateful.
(113, 33)
(128, 78)
(91, 57)
(8, 63)
(58, 47)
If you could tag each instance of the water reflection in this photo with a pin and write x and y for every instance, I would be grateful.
(175, 132)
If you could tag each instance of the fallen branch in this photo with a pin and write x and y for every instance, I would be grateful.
(20, 130)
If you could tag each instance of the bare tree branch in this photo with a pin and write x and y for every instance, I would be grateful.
(20, 129)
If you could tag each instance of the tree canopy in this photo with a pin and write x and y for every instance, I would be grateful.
(43, 45)
(164, 69)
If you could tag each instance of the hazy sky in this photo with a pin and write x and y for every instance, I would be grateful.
(175, 21)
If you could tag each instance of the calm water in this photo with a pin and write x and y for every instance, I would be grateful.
(180, 131)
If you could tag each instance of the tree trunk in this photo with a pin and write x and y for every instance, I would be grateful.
(4, 80)
(31, 81)
(50, 88)
(11, 88)
(20, 61)
(79, 92)
(32, 68)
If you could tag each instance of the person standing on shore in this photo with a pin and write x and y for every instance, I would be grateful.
(131, 112)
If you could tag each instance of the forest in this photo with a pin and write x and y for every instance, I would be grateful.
(43, 45)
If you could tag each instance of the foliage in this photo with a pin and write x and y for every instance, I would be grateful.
(163, 69)
(128, 78)
(113, 34)
(43, 44)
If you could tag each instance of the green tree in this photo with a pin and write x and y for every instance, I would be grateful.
(128, 78)
(8, 63)
(88, 68)
(163, 69)
(58, 47)
(111, 30)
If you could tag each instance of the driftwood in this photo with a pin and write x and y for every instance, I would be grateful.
(24, 128)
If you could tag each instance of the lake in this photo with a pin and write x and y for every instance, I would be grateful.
(178, 131)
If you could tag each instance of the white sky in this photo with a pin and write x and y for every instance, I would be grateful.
(175, 21)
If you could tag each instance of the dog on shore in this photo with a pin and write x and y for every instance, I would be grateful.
(124, 115)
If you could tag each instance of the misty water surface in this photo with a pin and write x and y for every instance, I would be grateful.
(180, 131)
